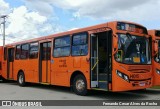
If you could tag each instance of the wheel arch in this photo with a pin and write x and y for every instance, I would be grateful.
(74, 74)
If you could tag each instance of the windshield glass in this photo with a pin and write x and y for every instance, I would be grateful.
(157, 57)
(133, 49)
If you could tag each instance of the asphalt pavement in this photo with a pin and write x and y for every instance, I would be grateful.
(12, 91)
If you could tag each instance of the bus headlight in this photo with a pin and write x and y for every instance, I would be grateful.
(126, 77)
(119, 74)
(158, 71)
(123, 76)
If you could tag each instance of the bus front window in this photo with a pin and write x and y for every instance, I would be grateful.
(133, 49)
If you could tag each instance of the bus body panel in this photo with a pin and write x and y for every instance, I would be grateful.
(156, 76)
(137, 80)
(63, 68)
(30, 67)
(60, 69)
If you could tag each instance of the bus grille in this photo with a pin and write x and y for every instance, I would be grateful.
(140, 69)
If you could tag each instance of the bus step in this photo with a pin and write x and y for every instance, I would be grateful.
(103, 77)
(10, 79)
(45, 83)
(99, 89)
(103, 84)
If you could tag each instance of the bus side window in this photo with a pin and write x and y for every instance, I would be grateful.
(33, 50)
(18, 52)
(24, 51)
(80, 44)
(62, 46)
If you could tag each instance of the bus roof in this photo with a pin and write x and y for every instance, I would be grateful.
(71, 32)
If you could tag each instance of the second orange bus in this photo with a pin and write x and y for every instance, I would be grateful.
(156, 56)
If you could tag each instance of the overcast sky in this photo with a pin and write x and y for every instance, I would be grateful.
(34, 18)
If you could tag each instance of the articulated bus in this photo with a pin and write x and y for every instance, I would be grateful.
(113, 56)
(156, 55)
(1, 53)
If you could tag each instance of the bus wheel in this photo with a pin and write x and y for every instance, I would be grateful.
(80, 85)
(21, 79)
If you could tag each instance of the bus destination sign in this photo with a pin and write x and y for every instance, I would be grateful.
(131, 28)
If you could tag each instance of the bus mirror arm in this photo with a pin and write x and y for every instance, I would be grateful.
(154, 53)
(115, 44)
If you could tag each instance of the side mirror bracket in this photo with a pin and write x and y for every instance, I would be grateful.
(115, 44)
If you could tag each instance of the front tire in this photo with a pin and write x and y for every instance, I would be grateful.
(80, 85)
(21, 79)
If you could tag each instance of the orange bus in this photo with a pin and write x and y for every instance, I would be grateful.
(113, 56)
(156, 55)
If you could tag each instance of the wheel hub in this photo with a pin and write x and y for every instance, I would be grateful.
(80, 85)
(20, 79)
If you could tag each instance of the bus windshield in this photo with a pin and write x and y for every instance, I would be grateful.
(133, 49)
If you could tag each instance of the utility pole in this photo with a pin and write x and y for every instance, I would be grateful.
(4, 21)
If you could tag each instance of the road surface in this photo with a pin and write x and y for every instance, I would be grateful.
(11, 91)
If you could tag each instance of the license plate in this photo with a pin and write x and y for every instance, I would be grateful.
(142, 83)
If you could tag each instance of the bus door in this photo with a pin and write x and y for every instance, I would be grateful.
(44, 62)
(4, 63)
(101, 60)
(10, 60)
(94, 60)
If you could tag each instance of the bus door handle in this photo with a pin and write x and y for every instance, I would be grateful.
(95, 64)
